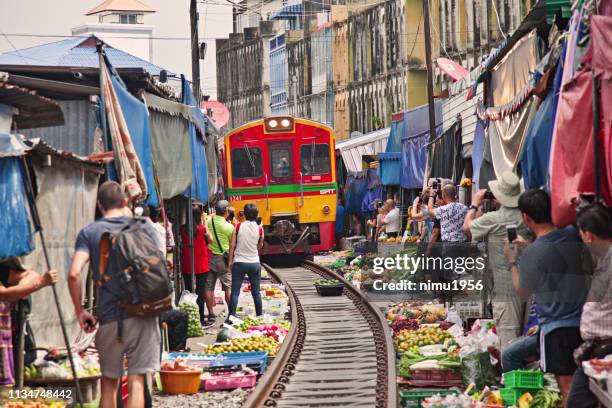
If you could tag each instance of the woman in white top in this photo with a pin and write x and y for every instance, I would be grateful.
(246, 241)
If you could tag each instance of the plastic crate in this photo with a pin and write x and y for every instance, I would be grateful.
(414, 398)
(228, 381)
(531, 380)
(436, 378)
(330, 290)
(256, 360)
(512, 395)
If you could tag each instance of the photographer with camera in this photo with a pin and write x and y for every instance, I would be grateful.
(491, 228)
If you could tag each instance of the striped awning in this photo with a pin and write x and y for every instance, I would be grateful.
(288, 11)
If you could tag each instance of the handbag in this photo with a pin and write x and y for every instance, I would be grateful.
(225, 253)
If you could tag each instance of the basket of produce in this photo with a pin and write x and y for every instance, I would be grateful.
(329, 287)
(179, 378)
(255, 360)
(242, 345)
(414, 398)
(229, 380)
(529, 380)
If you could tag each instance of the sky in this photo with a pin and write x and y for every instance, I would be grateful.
(57, 17)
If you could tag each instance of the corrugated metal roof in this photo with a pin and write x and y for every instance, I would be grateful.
(370, 143)
(121, 5)
(77, 133)
(459, 105)
(75, 52)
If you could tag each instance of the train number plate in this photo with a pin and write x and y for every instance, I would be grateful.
(328, 191)
(236, 198)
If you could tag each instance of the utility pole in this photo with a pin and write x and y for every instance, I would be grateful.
(195, 50)
(430, 97)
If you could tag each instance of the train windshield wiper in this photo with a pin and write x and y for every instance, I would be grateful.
(312, 157)
(250, 157)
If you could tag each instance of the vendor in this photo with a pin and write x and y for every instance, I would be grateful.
(18, 282)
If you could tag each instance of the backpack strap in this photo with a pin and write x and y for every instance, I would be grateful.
(212, 221)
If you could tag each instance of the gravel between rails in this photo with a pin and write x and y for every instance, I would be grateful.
(214, 399)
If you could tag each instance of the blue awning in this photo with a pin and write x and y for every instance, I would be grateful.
(199, 181)
(389, 167)
(288, 11)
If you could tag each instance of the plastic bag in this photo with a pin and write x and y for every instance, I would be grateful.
(188, 305)
(477, 369)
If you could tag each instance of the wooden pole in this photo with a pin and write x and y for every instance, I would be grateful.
(430, 96)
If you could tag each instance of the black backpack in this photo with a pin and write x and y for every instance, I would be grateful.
(131, 256)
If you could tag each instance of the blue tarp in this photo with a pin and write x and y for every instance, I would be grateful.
(15, 228)
(534, 160)
(414, 144)
(355, 191)
(199, 183)
(478, 149)
(373, 195)
(389, 166)
(394, 142)
(137, 120)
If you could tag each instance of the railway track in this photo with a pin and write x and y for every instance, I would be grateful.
(338, 351)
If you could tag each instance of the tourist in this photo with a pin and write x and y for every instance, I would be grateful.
(451, 214)
(221, 232)
(339, 226)
(595, 226)
(490, 227)
(247, 240)
(391, 221)
(151, 214)
(201, 259)
(140, 337)
(551, 269)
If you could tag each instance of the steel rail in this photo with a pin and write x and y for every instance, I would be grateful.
(318, 362)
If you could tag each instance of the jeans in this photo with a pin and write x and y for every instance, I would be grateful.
(580, 395)
(200, 284)
(518, 352)
(253, 271)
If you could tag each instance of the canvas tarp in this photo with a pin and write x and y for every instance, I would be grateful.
(171, 149)
(572, 163)
(15, 228)
(414, 160)
(355, 191)
(512, 73)
(445, 158)
(128, 168)
(478, 147)
(75, 187)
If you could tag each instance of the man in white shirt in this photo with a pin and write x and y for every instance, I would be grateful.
(392, 219)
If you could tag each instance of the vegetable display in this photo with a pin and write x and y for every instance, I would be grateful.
(546, 399)
(259, 343)
(327, 282)
(421, 337)
(194, 327)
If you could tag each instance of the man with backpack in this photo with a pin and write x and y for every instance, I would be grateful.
(120, 249)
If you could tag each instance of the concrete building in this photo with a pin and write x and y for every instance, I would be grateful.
(121, 23)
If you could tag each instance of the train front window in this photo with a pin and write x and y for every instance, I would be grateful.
(246, 163)
(314, 159)
(280, 162)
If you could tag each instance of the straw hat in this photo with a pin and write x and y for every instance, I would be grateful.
(507, 189)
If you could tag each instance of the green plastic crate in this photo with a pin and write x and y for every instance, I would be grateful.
(512, 395)
(530, 380)
(414, 398)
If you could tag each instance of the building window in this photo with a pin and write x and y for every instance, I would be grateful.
(127, 18)
(132, 18)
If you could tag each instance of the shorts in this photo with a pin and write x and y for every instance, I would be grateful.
(218, 270)
(559, 346)
(141, 344)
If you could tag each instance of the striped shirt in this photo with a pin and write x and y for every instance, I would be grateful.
(596, 321)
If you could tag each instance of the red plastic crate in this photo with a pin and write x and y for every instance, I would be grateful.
(227, 381)
(436, 378)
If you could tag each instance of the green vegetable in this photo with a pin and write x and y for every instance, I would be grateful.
(223, 336)
(194, 327)
(327, 282)
(546, 399)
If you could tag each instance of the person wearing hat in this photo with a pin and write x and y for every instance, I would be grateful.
(490, 227)
(221, 231)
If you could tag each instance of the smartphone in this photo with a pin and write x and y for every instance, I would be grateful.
(511, 231)
(434, 185)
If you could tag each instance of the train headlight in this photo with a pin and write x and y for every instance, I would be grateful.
(326, 209)
(279, 124)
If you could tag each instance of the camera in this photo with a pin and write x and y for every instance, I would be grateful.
(488, 195)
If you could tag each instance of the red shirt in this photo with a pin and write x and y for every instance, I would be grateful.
(201, 258)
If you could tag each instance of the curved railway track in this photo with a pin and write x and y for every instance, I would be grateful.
(338, 351)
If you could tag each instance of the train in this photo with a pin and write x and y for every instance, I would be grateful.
(287, 167)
